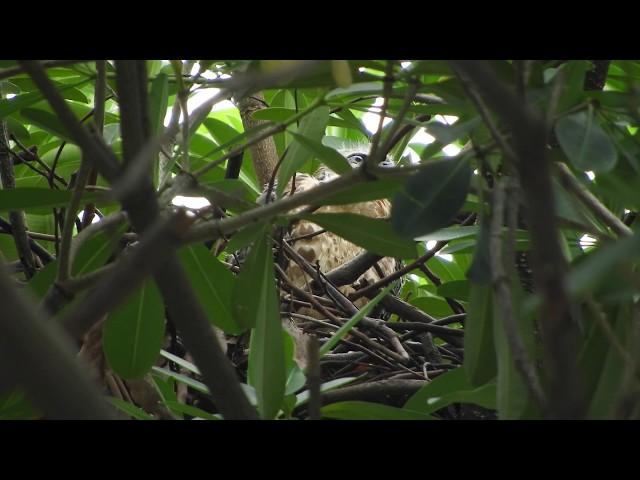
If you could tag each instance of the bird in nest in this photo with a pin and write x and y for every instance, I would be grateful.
(325, 250)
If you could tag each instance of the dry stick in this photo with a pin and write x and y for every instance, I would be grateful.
(565, 399)
(55, 382)
(406, 269)
(349, 272)
(181, 301)
(583, 194)
(501, 286)
(336, 320)
(338, 297)
(374, 391)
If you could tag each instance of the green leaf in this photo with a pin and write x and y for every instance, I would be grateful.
(374, 235)
(158, 102)
(11, 105)
(244, 237)
(190, 410)
(95, 252)
(365, 192)
(433, 306)
(15, 406)
(43, 279)
(47, 121)
(431, 198)
(18, 130)
(513, 399)
(311, 126)
(42, 200)
(610, 386)
(180, 361)
(451, 387)
(303, 397)
(353, 321)
(274, 114)
(130, 409)
(590, 273)
(212, 283)
(584, 142)
(256, 302)
(446, 134)
(134, 333)
(222, 132)
(479, 349)
(458, 289)
(451, 233)
(356, 410)
(328, 156)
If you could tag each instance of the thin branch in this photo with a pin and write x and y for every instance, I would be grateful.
(380, 391)
(583, 194)
(16, 218)
(64, 257)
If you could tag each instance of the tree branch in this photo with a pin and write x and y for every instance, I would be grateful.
(549, 265)
(47, 365)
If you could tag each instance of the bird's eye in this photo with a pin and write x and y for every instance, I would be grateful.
(356, 158)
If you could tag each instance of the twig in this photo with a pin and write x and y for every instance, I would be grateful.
(374, 391)
(64, 257)
(16, 217)
(583, 194)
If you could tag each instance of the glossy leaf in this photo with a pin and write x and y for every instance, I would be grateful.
(212, 282)
(584, 142)
(47, 121)
(256, 305)
(40, 200)
(431, 198)
(134, 333)
(311, 126)
(357, 410)
(158, 102)
(328, 156)
(450, 387)
(479, 348)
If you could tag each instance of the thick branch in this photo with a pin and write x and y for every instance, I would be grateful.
(47, 365)
(549, 265)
